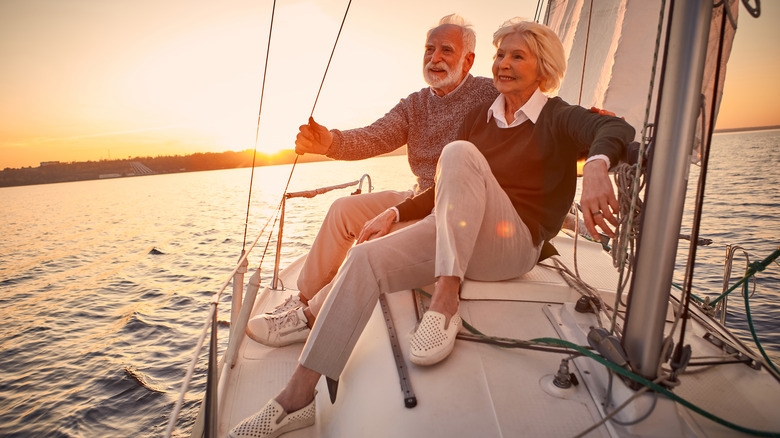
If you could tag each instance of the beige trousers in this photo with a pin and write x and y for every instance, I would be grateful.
(474, 232)
(341, 226)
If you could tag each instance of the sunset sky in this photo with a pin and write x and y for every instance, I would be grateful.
(95, 79)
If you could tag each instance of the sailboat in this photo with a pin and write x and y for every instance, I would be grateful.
(591, 342)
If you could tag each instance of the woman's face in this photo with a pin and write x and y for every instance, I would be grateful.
(515, 70)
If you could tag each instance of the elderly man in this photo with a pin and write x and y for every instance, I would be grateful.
(425, 121)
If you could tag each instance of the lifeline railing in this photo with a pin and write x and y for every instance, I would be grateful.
(206, 422)
(309, 194)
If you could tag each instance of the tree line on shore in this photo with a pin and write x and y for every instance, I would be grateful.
(55, 172)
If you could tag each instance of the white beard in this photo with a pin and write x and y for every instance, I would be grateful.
(452, 78)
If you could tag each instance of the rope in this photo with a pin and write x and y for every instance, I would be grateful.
(630, 182)
(320, 191)
(316, 99)
(216, 297)
(538, 12)
(753, 330)
(618, 409)
(202, 337)
(585, 55)
(575, 282)
(753, 268)
(626, 177)
(628, 229)
(257, 130)
(654, 386)
(577, 350)
(699, 206)
(262, 92)
(754, 11)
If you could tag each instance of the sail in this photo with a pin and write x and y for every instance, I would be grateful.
(611, 50)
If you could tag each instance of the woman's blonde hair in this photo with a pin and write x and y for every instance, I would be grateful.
(543, 43)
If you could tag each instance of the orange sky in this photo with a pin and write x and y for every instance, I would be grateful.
(94, 79)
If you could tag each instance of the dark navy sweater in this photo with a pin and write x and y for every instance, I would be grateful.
(536, 164)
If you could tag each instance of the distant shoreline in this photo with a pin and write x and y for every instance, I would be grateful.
(753, 128)
(56, 172)
(52, 172)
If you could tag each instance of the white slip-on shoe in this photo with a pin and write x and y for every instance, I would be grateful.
(279, 330)
(291, 302)
(273, 421)
(431, 342)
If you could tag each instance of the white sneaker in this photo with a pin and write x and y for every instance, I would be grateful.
(279, 330)
(273, 421)
(291, 302)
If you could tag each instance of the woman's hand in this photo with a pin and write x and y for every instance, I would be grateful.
(377, 227)
(598, 201)
(313, 138)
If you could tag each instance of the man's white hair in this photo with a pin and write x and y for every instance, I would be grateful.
(469, 36)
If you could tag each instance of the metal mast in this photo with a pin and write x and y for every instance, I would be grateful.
(665, 193)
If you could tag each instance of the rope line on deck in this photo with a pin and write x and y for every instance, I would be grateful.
(655, 387)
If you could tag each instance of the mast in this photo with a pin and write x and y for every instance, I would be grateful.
(665, 192)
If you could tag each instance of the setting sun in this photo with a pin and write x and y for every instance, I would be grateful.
(87, 80)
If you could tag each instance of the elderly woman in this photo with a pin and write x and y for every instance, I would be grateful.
(499, 193)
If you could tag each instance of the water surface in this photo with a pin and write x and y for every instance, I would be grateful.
(105, 285)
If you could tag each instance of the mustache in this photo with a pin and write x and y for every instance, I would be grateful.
(438, 65)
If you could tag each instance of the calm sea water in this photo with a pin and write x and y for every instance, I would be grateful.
(104, 285)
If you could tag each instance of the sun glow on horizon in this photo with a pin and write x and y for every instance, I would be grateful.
(88, 80)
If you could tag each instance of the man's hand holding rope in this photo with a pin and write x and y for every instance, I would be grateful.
(313, 138)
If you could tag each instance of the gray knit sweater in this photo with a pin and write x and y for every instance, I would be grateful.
(422, 121)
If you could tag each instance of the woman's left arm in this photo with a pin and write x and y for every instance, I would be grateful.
(606, 135)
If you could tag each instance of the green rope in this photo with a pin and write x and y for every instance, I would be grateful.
(753, 330)
(753, 268)
(633, 376)
(655, 387)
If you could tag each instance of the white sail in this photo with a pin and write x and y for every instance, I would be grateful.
(614, 43)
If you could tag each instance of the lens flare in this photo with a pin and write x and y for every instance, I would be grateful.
(505, 229)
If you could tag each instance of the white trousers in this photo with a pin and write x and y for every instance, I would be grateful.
(473, 232)
(341, 226)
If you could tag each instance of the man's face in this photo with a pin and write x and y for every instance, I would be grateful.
(445, 63)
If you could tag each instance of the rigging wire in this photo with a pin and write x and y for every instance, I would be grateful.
(611, 415)
(627, 239)
(257, 130)
(585, 55)
(654, 386)
(199, 343)
(696, 225)
(335, 43)
(538, 12)
(216, 297)
(292, 170)
(316, 99)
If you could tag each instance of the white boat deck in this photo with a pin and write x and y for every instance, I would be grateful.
(486, 391)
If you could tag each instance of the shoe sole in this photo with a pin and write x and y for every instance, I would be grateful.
(431, 359)
(274, 344)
